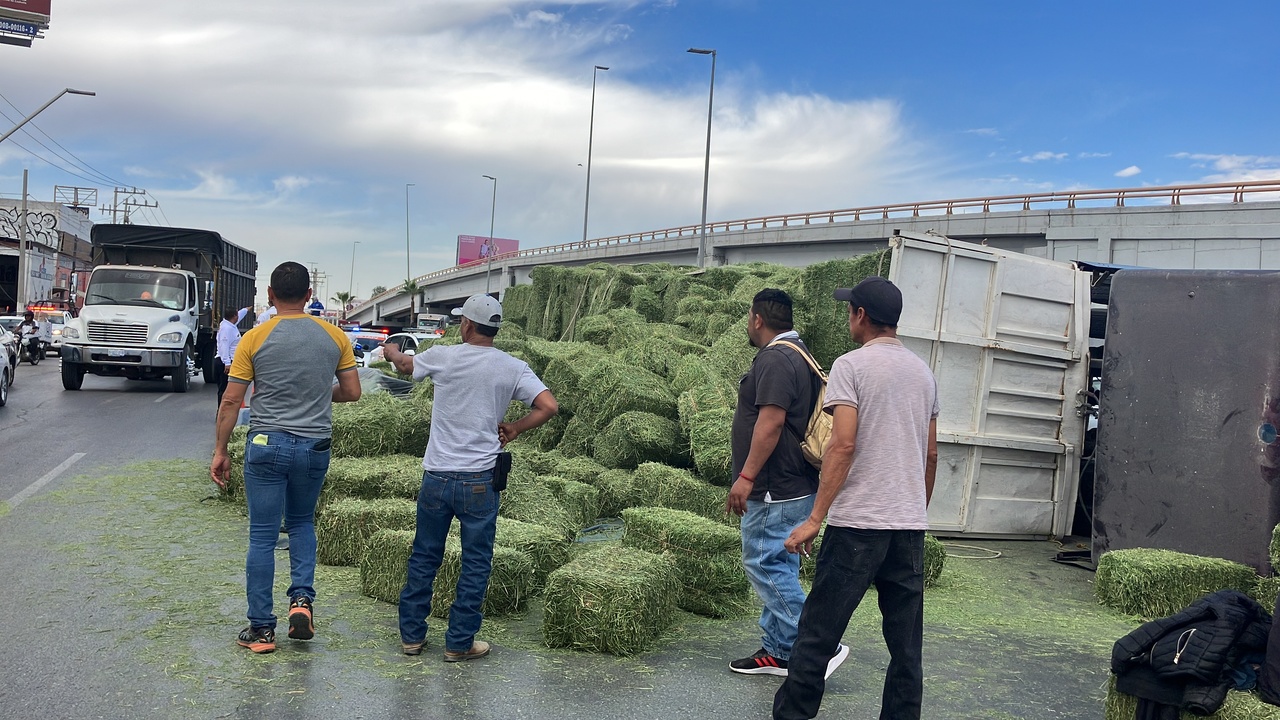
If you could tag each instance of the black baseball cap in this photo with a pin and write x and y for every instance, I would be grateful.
(880, 298)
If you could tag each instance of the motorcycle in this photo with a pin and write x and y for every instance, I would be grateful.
(31, 348)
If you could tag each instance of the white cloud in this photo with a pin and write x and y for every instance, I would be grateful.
(537, 17)
(1091, 155)
(1129, 171)
(1042, 156)
(985, 132)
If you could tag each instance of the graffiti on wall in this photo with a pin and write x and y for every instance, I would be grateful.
(42, 226)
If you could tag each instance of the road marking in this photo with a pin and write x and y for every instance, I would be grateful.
(162, 398)
(49, 477)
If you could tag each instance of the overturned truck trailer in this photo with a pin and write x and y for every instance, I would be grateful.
(1007, 336)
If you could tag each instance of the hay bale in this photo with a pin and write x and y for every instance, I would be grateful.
(511, 581)
(423, 389)
(1157, 583)
(578, 469)
(692, 371)
(717, 325)
(547, 548)
(719, 394)
(389, 476)
(529, 500)
(617, 492)
(578, 438)
(731, 355)
(708, 556)
(823, 320)
(935, 559)
(544, 438)
(635, 437)
(616, 387)
(656, 485)
(580, 499)
(711, 443)
(346, 524)
(567, 375)
(647, 303)
(1265, 592)
(376, 424)
(541, 353)
(385, 564)
(1238, 706)
(417, 430)
(613, 600)
(746, 289)
(234, 491)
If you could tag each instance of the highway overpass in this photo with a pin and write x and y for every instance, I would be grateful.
(1221, 226)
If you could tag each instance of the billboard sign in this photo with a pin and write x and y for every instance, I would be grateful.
(480, 247)
(37, 10)
(15, 27)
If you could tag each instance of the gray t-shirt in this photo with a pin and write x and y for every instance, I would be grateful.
(474, 386)
(896, 396)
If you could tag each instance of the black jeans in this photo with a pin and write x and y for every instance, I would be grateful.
(220, 372)
(849, 562)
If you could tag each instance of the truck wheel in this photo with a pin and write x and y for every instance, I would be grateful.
(4, 386)
(72, 376)
(180, 375)
(207, 359)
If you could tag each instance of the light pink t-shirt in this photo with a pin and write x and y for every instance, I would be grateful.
(896, 396)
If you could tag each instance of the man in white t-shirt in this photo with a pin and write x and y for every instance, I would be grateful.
(474, 384)
(877, 479)
(266, 314)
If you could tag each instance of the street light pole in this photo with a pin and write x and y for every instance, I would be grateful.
(492, 209)
(23, 271)
(408, 274)
(352, 278)
(706, 170)
(586, 209)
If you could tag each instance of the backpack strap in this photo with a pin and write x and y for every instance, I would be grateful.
(813, 364)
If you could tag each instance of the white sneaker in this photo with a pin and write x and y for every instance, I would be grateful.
(842, 652)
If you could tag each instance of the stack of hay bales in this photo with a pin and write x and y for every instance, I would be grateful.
(707, 554)
(346, 524)
(1158, 583)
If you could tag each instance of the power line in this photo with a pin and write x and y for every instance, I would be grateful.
(49, 162)
(77, 160)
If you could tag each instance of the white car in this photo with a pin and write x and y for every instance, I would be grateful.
(55, 320)
(407, 342)
(368, 342)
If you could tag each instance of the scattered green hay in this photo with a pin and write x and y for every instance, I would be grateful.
(635, 437)
(935, 559)
(656, 485)
(385, 564)
(1265, 592)
(1238, 706)
(389, 476)
(614, 387)
(711, 442)
(566, 375)
(547, 548)
(581, 500)
(528, 457)
(1158, 583)
(612, 600)
(683, 341)
(528, 500)
(423, 389)
(731, 355)
(691, 371)
(725, 278)
(511, 582)
(617, 492)
(717, 325)
(708, 556)
(345, 525)
(378, 424)
(234, 491)
(562, 296)
(578, 438)
(822, 320)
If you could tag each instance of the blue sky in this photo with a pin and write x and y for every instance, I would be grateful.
(292, 127)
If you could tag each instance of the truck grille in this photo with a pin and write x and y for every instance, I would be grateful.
(130, 334)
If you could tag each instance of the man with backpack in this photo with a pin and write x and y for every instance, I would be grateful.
(774, 485)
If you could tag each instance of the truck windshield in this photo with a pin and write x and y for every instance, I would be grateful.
(149, 288)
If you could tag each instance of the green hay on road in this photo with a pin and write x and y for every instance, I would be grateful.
(389, 476)
(1265, 592)
(823, 321)
(528, 500)
(708, 554)
(1275, 549)
(711, 441)
(376, 424)
(616, 387)
(617, 492)
(345, 525)
(385, 564)
(547, 548)
(935, 559)
(731, 355)
(581, 500)
(578, 438)
(611, 600)
(656, 485)
(1238, 706)
(1158, 583)
(234, 491)
(636, 437)
(511, 582)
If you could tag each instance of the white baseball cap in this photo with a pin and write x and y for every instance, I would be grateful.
(482, 310)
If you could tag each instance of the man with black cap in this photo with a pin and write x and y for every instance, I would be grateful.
(877, 479)
(474, 384)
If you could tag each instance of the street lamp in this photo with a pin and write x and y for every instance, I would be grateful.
(351, 279)
(590, 136)
(21, 298)
(492, 209)
(706, 170)
(408, 275)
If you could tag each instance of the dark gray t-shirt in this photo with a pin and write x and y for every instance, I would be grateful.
(474, 386)
(778, 376)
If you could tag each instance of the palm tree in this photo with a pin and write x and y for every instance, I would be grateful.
(343, 299)
(414, 291)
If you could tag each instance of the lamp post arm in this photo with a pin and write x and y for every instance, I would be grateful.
(41, 109)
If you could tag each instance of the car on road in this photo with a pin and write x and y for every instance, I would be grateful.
(367, 340)
(9, 339)
(55, 320)
(407, 342)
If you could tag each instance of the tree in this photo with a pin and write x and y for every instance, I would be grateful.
(377, 290)
(343, 299)
(413, 290)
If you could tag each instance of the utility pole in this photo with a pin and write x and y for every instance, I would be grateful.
(128, 202)
(24, 265)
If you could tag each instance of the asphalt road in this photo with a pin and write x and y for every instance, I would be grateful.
(104, 425)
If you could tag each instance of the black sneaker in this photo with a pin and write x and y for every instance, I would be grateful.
(258, 639)
(300, 625)
(762, 663)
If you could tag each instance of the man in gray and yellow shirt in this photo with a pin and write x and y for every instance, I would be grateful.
(291, 359)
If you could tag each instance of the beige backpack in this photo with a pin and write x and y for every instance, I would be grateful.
(818, 433)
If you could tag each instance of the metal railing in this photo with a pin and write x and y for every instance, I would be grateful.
(1070, 199)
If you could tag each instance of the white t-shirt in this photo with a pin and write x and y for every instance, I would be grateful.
(896, 396)
(266, 314)
(474, 386)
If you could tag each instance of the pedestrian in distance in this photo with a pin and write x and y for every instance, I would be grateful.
(267, 314)
(774, 485)
(291, 360)
(877, 479)
(228, 339)
(474, 384)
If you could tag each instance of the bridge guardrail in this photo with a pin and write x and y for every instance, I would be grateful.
(1069, 199)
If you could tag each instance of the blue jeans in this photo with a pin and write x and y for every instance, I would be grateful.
(851, 561)
(282, 479)
(774, 572)
(470, 497)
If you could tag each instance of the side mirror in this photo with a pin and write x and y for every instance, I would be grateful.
(410, 352)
